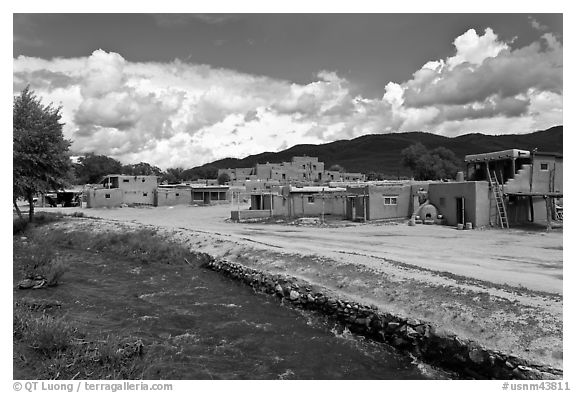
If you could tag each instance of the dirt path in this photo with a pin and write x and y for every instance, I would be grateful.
(502, 289)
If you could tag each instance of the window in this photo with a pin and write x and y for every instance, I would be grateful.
(310, 199)
(390, 200)
(125, 180)
(143, 180)
(198, 196)
(144, 194)
(107, 196)
(544, 166)
(177, 194)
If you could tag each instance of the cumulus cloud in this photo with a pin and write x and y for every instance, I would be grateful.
(179, 114)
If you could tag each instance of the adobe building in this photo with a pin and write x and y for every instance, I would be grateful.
(191, 194)
(173, 194)
(384, 200)
(116, 190)
(461, 202)
(529, 184)
(303, 170)
(293, 202)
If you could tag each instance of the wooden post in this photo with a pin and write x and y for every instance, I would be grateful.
(531, 208)
(548, 213)
(365, 202)
(513, 168)
(532, 167)
(322, 196)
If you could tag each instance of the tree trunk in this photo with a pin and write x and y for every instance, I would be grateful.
(31, 204)
(17, 208)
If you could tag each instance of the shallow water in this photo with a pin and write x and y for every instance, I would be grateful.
(213, 327)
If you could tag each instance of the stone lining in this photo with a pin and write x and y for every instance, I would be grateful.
(419, 338)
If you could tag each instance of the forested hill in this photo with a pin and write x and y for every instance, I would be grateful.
(381, 152)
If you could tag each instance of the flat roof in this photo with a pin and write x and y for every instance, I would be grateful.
(549, 153)
(497, 155)
(316, 189)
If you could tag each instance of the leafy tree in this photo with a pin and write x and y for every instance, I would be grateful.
(337, 167)
(141, 169)
(92, 168)
(223, 178)
(201, 172)
(439, 163)
(40, 152)
(173, 175)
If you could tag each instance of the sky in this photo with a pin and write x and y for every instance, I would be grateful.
(180, 90)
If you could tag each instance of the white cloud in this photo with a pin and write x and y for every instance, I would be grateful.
(474, 49)
(179, 114)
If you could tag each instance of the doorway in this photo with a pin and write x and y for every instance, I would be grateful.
(460, 206)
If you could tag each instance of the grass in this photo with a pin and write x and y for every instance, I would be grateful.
(144, 245)
(21, 224)
(40, 261)
(55, 349)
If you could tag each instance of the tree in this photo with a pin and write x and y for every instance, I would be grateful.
(91, 168)
(141, 169)
(337, 168)
(223, 178)
(40, 152)
(439, 163)
(173, 175)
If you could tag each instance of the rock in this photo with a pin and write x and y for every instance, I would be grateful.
(399, 342)
(423, 330)
(477, 355)
(392, 325)
(279, 290)
(310, 298)
(519, 374)
(411, 332)
(492, 360)
(294, 295)
(36, 283)
(361, 321)
(25, 284)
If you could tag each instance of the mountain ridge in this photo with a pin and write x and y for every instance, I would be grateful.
(381, 153)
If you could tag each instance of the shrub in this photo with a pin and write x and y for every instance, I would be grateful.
(54, 271)
(45, 334)
(47, 218)
(41, 261)
(19, 225)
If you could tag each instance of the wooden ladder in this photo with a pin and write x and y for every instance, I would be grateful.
(499, 197)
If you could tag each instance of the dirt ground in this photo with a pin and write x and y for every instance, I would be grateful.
(502, 289)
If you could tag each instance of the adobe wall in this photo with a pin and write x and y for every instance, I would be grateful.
(96, 198)
(301, 207)
(542, 178)
(171, 197)
(476, 204)
(378, 210)
(145, 184)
